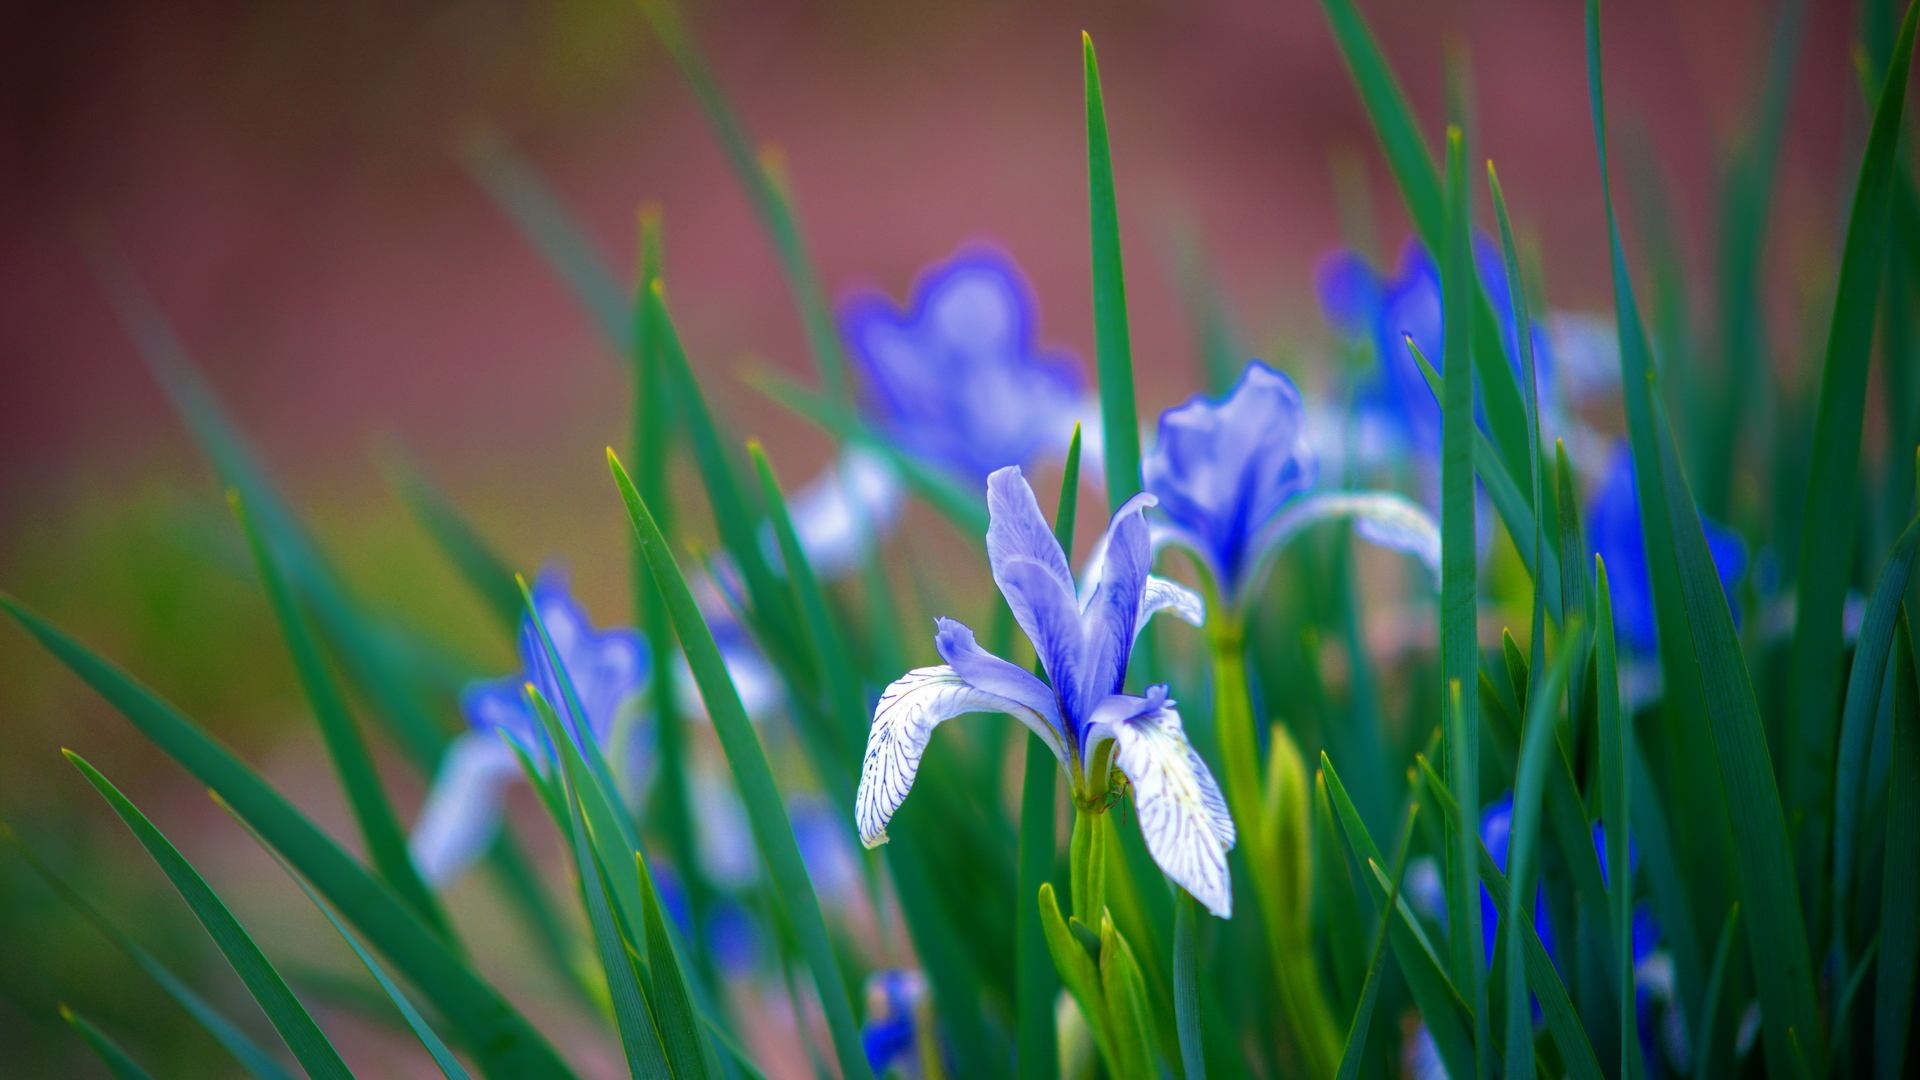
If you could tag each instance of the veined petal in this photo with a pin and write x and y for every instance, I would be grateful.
(903, 722)
(1047, 614)
(462, 810)
(1183, 817)
(1018, 531)
(1390, 520)
(1165, 594)
(988, 672)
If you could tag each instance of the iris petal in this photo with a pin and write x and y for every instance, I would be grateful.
(903, 723)
(463, 807)
(1183, 817)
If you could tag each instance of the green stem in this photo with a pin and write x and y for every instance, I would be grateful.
(1308, 1019)
(1088, 854)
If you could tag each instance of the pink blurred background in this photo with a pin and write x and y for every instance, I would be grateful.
(287, 181)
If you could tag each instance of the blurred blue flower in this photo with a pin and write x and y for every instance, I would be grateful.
(1232, 478)
(890, 1033)
(1615, 528)
(1361, 302)
(958, 378)
(608, 669)
(1084, 637)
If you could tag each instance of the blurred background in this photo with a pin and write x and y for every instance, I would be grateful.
(289, 183)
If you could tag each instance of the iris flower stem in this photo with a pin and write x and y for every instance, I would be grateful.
(1308, 1018)
(1092, 833)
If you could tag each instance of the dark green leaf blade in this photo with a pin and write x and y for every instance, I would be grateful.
(1113, 343)
(1900, 888)
(111, 1054)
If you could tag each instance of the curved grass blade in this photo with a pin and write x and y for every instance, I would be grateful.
(117, 1060)
(503, 1041)
(1355, 1051)
(1677, 549)
(1616, 751)
(773, 833)
(1113, 344)
(1871, 652)
(1522, 316)
(1833, 485)
(1900, 885)
(761, 179)
(290, 1018)
(249, 1054)
(352, 762)
(449, 1065)
(689, 1055)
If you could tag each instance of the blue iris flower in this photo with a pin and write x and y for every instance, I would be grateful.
(1363, 303)
(890, 1034)
(1614, 525)
(958, 378)
(1233, 479)
(1084, 635)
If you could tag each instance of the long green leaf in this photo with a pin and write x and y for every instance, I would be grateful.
(111, 1054)
(502, 1040)
(1763, 870)
(249, 1054)
(1459, 649)
(290, 1018)
(449, 1065)
(1616, 750)
(352, 761)
(1833, 485)
(1113, 343)
(1706, 1030)
(689, 1055)
(764, 186)
(773, 833)
(1354, 1053)
(1900, 885)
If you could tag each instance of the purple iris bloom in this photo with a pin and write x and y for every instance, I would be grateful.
(1084, 636)
(608, 670)
(1363, 303)
(1615, 528)
(958, 378)
(890, 1034)
(1233, 475)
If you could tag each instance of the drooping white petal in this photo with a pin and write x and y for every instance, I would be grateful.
(903, 722)
(1183, 816)
(462, 810)
(1390, 520)
(1165, 594)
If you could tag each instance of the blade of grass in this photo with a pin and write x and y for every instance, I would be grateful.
(1616, 750)
(117, 1060)
(352, 761)
(1459, 649)
(765, 189)
(1704, 1034)
(1900, 884)
(1763, 870)
(1420, 186)
(1833, 485)
(688, 1054)
(249, 1054)
(290, 1018)
(1522, 316)
(1871, 652)
(773, 833)
(504, 1042)
(1113, 344)
(449, 1065)
(1354, 1054)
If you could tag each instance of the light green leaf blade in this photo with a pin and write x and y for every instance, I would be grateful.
(1113, 343)
(290, 1018)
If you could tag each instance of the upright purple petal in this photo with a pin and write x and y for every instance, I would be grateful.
(988, 672)
(1112, 610)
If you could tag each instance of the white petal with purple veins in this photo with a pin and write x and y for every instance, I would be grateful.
(1183, 817)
